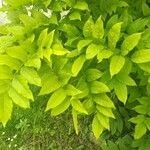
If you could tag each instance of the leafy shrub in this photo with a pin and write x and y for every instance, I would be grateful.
(90, 57)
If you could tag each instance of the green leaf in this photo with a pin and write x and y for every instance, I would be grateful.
(140, 130)
(78, 106)
(93, 74)
(49, 83)
(6, 107)
(88, 28)
(34, 62)
(5, 72)
(137, 26)
(17, 3)
(77, 65)
(138, 120)
(141, 109)
(105, 111)
(82, 44)
(103, 120)
(47, 43)
(17, 52)
(18, 99)
(92, 50)
(114, 35)
(130, 43)
(121, 91)
(61, 108)
(47, 53)
(59, 50)
(28, 21)
(75, 121)
(147, 123)
(97, 128)
(53, 19)
(141, 56)
(125, 79)
(21, 86)
(82, 86)
(103, 100)
(99, 87)
(104, 54)
(47, 2)
(145, 9)
(73, 53)
(81, 5)
(56, 98)
(112, 21)
(71, 90)
(116, 64)
(4, 86)
(113, 145)
(31, 75)
(75, 15)
(144, 100)
(89, 105)
(9, 61)
(98, 29)
(5, 42)
(145, 66)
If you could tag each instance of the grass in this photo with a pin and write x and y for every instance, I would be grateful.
(33, 129)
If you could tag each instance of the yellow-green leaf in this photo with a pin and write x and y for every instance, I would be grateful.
(98, 29)
(92, 50)
(103, 100)
(75, 15)
(93, 74)
(121, 91)
(77, 65)
(78, 106)
(88, 27)
(103, 120)
(130, 42)
(18, 99)
(21, 86)
(75, 121)
(6, 107)
(71, 90)
(61, 108)
(97, 128)
(56, 98)
(30, 74)
(49, 83)
(17, 52)
(5, 72)
(81, 5)
(105, 111)
(141, 56)
(104, 54)
(10, 61)
(140, 130)
(114, 35)
(116, 64)
(99, 87)
(82, 44)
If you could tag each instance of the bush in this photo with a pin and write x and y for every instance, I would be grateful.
(90, 58)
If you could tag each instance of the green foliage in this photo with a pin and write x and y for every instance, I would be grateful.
(92, 58)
